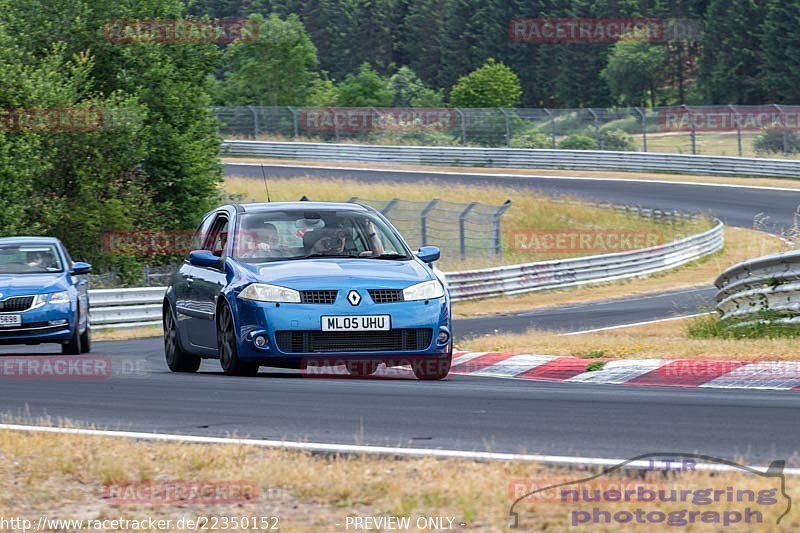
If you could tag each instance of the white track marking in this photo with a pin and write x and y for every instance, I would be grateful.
(514, 365)
(504, 176)
(372, 450)
(616, 372)
(609, 328)
(781, 375)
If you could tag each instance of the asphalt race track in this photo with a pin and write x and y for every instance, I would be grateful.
(462, 412)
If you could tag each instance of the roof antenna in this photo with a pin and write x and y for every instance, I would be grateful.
(266, 186)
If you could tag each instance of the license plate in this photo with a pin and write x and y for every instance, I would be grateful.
(357, 323)
(8, 321)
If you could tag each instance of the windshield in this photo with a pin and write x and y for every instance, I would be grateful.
(301, 234)
(29, 259)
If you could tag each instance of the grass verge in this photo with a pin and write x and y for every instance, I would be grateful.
(126, 334)
(65, 476)
(662, 340)
(762, 325)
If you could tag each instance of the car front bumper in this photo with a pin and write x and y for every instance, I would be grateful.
(49, 323)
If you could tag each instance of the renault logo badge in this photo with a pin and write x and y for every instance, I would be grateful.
(354, 298)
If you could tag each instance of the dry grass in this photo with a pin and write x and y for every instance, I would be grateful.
(126, 334)
(63, 476)
(662, 340)
(740, 244)
(655, 176)
(529, 211)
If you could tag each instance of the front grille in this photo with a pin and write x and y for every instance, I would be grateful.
(395, 340)
(17, 303)
(29, 327)
(318, 297)
(386, 296)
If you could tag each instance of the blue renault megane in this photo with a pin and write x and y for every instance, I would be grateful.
(43, 295)
(298, 284)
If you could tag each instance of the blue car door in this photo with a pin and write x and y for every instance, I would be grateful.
(207, 284)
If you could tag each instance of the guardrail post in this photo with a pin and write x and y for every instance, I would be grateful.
(389, 206)
(463, 125)
(255, 121)
(552, 126)
(497, 235)
(596, 128)
(461, 236)
(296, 128)
(508, 126)
(644, 128)
(423, 221)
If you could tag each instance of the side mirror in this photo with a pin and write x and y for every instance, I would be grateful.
(79, 269)
(203, 258)
(428, 254)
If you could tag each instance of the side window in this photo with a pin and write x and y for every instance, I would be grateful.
(200, 234)
(216, 239)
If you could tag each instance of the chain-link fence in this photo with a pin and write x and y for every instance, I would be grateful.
(462, 230)
(765, 130)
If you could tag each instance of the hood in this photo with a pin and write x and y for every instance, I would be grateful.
(340, 273)
(23, 284)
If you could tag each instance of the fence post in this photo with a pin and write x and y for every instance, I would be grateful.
(508, 127)
(644, 128)
(293, 111)
(255, 122)
(423, 221)
(552, 126)
(461, 237)
(783, 129)
(389, 206)
(463, 126)
(497, 235)
(335, 123)
(738, 121)
(692, 133)
(596, 128)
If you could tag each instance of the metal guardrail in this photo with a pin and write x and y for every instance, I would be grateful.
(768, 283)
(125, 308)
(518, 158)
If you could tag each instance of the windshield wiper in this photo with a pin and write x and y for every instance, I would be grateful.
(389, 255)
(309, 256)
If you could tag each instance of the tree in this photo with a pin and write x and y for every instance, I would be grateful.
(492, 85)
(274, 69)
(364, 89)
(634, 71)
(410, 91)
(732, 59)
(781, 50)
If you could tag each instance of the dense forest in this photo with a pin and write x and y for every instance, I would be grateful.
(746, 51)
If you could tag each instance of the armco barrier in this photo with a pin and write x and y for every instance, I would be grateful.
(124, 308)
(768, 283)
(518, 158)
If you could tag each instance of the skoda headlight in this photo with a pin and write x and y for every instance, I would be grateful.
(426, 290)
(59, 297)
(269, 293)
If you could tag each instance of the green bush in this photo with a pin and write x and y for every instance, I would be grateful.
(577, 141)
(771, 142)
(764, 324)
(616, 140)
(531, 139)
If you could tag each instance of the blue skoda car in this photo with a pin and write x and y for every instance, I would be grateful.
(43, 295)
(302, 285)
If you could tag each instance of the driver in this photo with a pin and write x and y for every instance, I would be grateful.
(325, 242)
(39, 260)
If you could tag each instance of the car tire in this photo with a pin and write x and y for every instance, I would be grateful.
(361, 369)
(228, 350)
(86, 340)
(73, 345)
(435, 368)
(178, 360)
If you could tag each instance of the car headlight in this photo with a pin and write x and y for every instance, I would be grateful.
(59, 298)
(39, 300)
(269, 293)
(426, 290)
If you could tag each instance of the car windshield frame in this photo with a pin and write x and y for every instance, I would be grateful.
(398, 249)
(32, 247)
